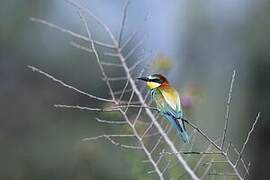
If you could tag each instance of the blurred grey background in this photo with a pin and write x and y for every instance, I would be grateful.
(205, 40)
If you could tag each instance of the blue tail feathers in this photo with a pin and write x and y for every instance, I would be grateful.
(180, 127)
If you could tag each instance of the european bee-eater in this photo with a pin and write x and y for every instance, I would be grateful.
(167, 101)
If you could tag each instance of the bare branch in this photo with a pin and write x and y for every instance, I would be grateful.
(247, 139)
(109, 138)
(123, 78)
(243, 162)
(66, 31)
(207, 168)
(128, 40)
(92, 45)
(133, 50)
(123, 23)
(85, 108)
(111, 64)
(193, 152)
(167, 166)
(123, 91)
(98, 20)
(148, 154)
(110, 54)
(247, 172)
(111, 122)
(221, 174)
(202, 133)
(68, 86)
(228, 110)
(76, 45)
(136, 64)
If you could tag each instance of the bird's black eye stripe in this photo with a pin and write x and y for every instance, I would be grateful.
(156, 80)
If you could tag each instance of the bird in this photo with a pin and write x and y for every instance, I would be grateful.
(168, 103)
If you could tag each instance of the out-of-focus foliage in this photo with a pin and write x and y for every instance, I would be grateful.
(162, 63)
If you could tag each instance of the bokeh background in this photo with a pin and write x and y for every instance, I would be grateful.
(198, 45)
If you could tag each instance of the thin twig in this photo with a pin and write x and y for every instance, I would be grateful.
(68, 86)
(133, 50)
(78, 46)
(123, 23)
(109, 138)
(85, 108)
(93, 47)
(123, 91)
(76, 35)
(203, 134)
(247, 139)
(193, 152)
(221, 174)
(228, 110)
(243, 162)
(111, 122)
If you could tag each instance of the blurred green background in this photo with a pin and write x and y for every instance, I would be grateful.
(206, 42)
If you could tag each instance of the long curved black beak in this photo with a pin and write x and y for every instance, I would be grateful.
(143, 78)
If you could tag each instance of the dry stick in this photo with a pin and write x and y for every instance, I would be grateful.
(167, 166)
(92, 45)
(109, 137)
(148, 154)
(132, 51)
(123, 23)
(140, 111)
(207, 169)
(68, 86)
(203, 156)
(221, 174)
(98, 20)
(128, 40)
(76, 45)
(194, 152)
(110, 54)
(84, 108)
(146, 131)
(120, 91)
(111, 64)
(193, 136)
(227, 111)
(136, 64)
(247, 172)
(123, 91)
(73, 34)
(243, 162)
(116, 79)
(203, 134)
(111, 122)
(160, 138)
(247, 139)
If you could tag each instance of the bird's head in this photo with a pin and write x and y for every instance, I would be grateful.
(154, 81)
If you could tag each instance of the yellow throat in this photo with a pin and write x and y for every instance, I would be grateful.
(152, 85)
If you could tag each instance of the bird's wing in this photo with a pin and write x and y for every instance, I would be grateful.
(171, 101)
(171, 96)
